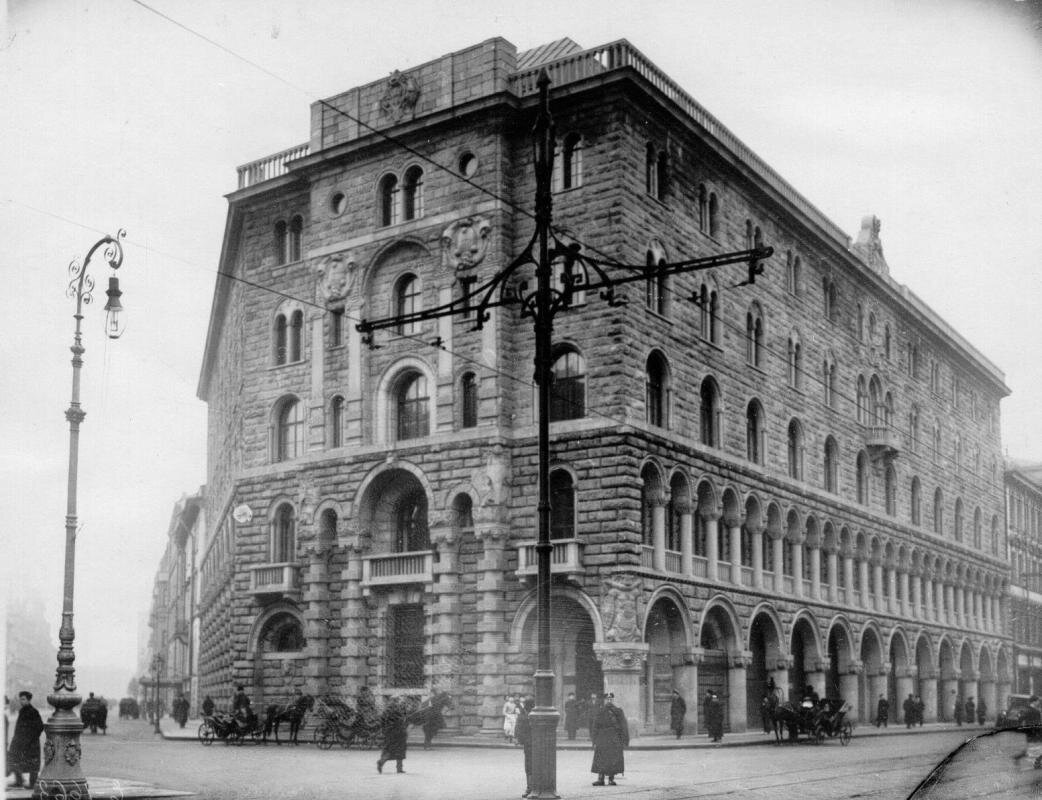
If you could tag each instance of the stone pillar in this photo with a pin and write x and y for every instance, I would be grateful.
(623, 664)
(353, 431)
(949, 687)
(977, 610)
(949, 604)
(917, 596)
(734, 531)
(938, 600)
(905, 681)
(929, 596)
(658, 503)
(989, 695)
(777, 563)
(959, 605)
(687, 539)
(318, 624)
(446, 624)
(832, 567)
(849, 688)
(354, 614)
(906, 602)
(736, 702)
(862, 567)
(757, 539)
(316, 436)
(815, 572)
(892, 605)
(928, 694)
(491, 609)
(848, 578)
(877, 585)
(797, 568)
(686, 683)
(712, 548)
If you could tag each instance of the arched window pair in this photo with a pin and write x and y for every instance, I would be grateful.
(401, 201)
(283, 544)
(828, 380)
(656, 293)
(709, 307)
(795, 361)
(710, 413)
(288, 430)
(657, 390)
(754, 336)
(288, 337)
(755, 432)
(708, 211)
(288, 235)
(795, 449)
(793, 268)
(568, 169)
(655, 172)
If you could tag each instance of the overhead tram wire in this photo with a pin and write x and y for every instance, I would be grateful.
(509, 203)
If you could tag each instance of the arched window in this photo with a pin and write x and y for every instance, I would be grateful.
(890, 490)
(280, 340)
(283, 535)
(916, 503)
(860, 323)
(656, 290)
(336, 422)
(887, 342)
(283, 633)
(709, 306)
(412, 407)
(978, 529)
(714, 215)
(748, 234)
(289, 430)
(562, 505)
(568, 386)
(281, 242)
(463, 513)
(828, 380)
(754, 335)
(703, 208)
(888, 410)
(936, 455)
(875, 404)
(411, 532)
(829, 298)
(662, 175)
(407, 300)
(656, 390)
(572, 162)
(412, 194)
(296, 336)
(831, 465)
(468, 400)
(913, 429)
(795, 361)
(862, 400)
(792, 273)
(938, 512)
(861, 466)
(795, 450)
(294, 244)
(754, 432)
(710, 413)
(958, 519)
(388, 200)
(651, 171)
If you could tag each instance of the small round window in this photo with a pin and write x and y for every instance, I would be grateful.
(468, 165)
(338, 203)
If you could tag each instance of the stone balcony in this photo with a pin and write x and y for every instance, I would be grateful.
(883, 441)
(565, 559)
(397, 569)
(269, 582)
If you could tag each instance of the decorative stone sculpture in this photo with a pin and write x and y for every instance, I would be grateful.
(336, 277)
(619, 609)
(465, 242)
(869, 247)
(400, 98)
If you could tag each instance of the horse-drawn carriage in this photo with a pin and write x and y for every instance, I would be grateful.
(94, 714)
(230, 729)
(816, 722)
(340, 723)
(129, 708)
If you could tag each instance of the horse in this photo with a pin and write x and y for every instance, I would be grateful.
(786, 715)
(429, 716)
(293, 713)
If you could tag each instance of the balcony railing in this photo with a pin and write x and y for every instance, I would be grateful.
(883, 440)
(396, 569)
(275, 579)
(673, 562)
(565, 559)
(264, 169)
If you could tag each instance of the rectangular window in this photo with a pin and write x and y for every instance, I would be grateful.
(336, 327)
(405, 641)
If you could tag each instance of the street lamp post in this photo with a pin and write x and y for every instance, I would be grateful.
(62, 776)
(552, 292)
(157, 674)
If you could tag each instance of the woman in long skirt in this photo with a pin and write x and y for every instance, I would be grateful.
(510, 710)
(395, 725)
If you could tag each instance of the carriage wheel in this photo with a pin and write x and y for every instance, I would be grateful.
(323, 737)
(845, 733)
(206, 733)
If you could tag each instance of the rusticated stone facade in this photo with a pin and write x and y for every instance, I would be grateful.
(796, 479)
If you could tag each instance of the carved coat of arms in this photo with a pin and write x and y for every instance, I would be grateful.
(336, 277)
(465, 242)
(402, 93)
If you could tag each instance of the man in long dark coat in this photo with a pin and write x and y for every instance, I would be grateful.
(677, 712)
(571, 716)
(883, 712)
(395, 725)
(715, 718)
(982, 711)
(23, 754)
(610, 735)
(523, 735)
(909, 709)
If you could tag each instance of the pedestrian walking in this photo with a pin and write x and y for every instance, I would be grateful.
(909, 708)
(395, 726)
(610, 736)
(883, 712)
(715, 717)
(677, 712)
(571, 715)
(523, 734)
(207, 706)
(971, 711)
(510, 712)
(23, 754)
(982, 711)
(959, 709)
(920, 708)
(593, 708)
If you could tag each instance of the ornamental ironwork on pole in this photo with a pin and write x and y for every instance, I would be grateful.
(560, 270)
(61, 775)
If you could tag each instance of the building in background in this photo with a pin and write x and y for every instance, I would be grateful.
(796, 480)
(30, 651)
(1024, 533)
(173, 619)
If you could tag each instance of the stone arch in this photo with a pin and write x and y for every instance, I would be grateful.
(731, 505)
(327, 512)
(948, 675)
(389, 381)
(382, 496)
(805, 653)
(667, 633)
(709, 506)
(874, 672)
(768, 659)
(397, 252)
(719, 640)
(901, 676)
(793, 525)
(841, 681)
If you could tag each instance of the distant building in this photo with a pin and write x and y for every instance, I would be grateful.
(797, 480)
(1024, 533)
(31, 655)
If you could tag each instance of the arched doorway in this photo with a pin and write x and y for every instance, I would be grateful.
(718, 641)
(967, 674)
(873, 682)
(572, 635)
(765, 647)
(805, 656)
(924, 666)
(949, 683)
(900, 682)
(667, 643)
(840, 648)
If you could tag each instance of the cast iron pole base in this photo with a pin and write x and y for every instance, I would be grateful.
(61, 777)
(544, 719)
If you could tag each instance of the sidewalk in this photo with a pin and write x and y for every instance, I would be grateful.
(655, 741)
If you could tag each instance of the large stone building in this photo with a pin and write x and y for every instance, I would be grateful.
(1024, 531)
(798, 479)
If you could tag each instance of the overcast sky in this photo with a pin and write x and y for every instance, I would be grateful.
(924, 113)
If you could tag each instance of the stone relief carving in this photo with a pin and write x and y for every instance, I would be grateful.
(337, 274)
(620, 660)
(465, 242)
(400, 98)
(619, 609)
(869, 246)
(490, 482)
